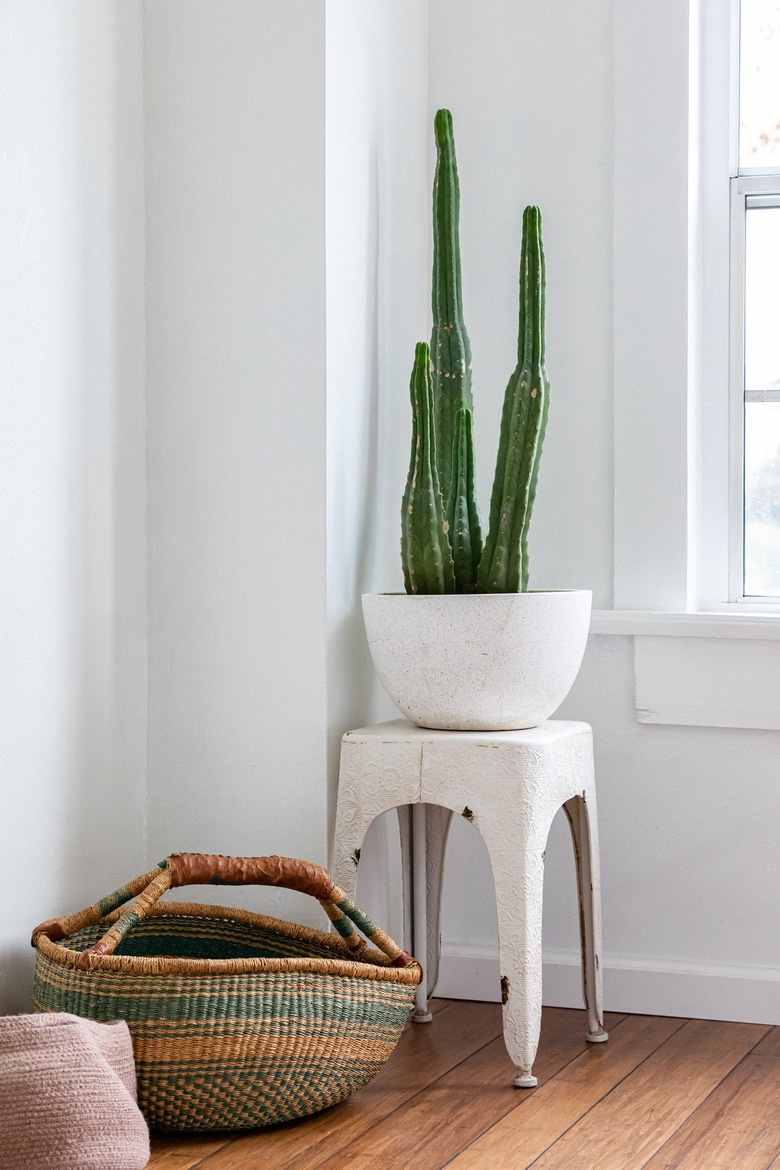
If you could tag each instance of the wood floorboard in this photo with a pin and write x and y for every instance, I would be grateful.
(663, 1093)
(737, 1126)
(542, 1116)
(770, 1045)
(437, 1123)
(628, 1126)
(184, 1152)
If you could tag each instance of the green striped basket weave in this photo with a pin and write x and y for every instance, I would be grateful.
(238, 1020)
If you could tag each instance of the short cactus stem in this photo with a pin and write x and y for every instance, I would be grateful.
(425, 547)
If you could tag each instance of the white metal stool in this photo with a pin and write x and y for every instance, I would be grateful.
(510, 785)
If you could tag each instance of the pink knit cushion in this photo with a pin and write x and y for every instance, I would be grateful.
(68, 1095)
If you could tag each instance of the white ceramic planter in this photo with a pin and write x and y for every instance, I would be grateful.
(477, 662)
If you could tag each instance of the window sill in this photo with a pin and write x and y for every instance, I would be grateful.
(744, 626)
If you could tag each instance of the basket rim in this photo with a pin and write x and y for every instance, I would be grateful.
(374, 965)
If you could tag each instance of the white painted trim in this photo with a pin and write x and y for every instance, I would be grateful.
(736, 392)
(759, 186)
(707, 682)
(750, 626)
(712, 148)
(642, 985)
(734, 36)
(715, 677)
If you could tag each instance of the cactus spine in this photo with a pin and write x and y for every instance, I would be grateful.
(441, 537)
(504, 564)
(425, 547)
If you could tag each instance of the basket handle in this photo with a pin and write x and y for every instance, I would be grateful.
(199, 869)
(183, 869)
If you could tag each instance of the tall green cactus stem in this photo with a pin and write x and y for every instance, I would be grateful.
(465, 522)
(425, 547)
(450, 347)
(504, 564)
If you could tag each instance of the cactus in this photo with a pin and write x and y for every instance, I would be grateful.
(425, 547)
(441, 528)
(504, 564)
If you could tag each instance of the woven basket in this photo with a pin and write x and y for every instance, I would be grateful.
(238, 1020)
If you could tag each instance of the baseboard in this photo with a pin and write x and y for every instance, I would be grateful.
(746, 994)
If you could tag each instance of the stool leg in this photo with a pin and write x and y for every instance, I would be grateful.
(404, 814)
(420, 908)
(351, 829)
(437, 827)
(581, 814)
(424, 829)
(519, 885)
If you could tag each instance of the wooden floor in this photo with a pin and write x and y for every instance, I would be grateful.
(663, 1093)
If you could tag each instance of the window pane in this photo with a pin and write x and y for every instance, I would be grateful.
(762, 299)
(759, 85)
(762, 499)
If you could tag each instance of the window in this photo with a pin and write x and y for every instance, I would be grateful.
(755, 290)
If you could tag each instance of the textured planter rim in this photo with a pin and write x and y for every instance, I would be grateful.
(469, 596)
(508, 668)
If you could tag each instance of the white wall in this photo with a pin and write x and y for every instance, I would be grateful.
(207, 236)
(235, 311)
(377, 241)
(650, 266)
(72, 568)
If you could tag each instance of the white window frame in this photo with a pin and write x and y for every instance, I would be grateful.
(750, 188)
(699, 658)
(722, 193)
(675, 475)
(675, 471)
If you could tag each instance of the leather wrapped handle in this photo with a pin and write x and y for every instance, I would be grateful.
(184, 869)
(200, 869)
